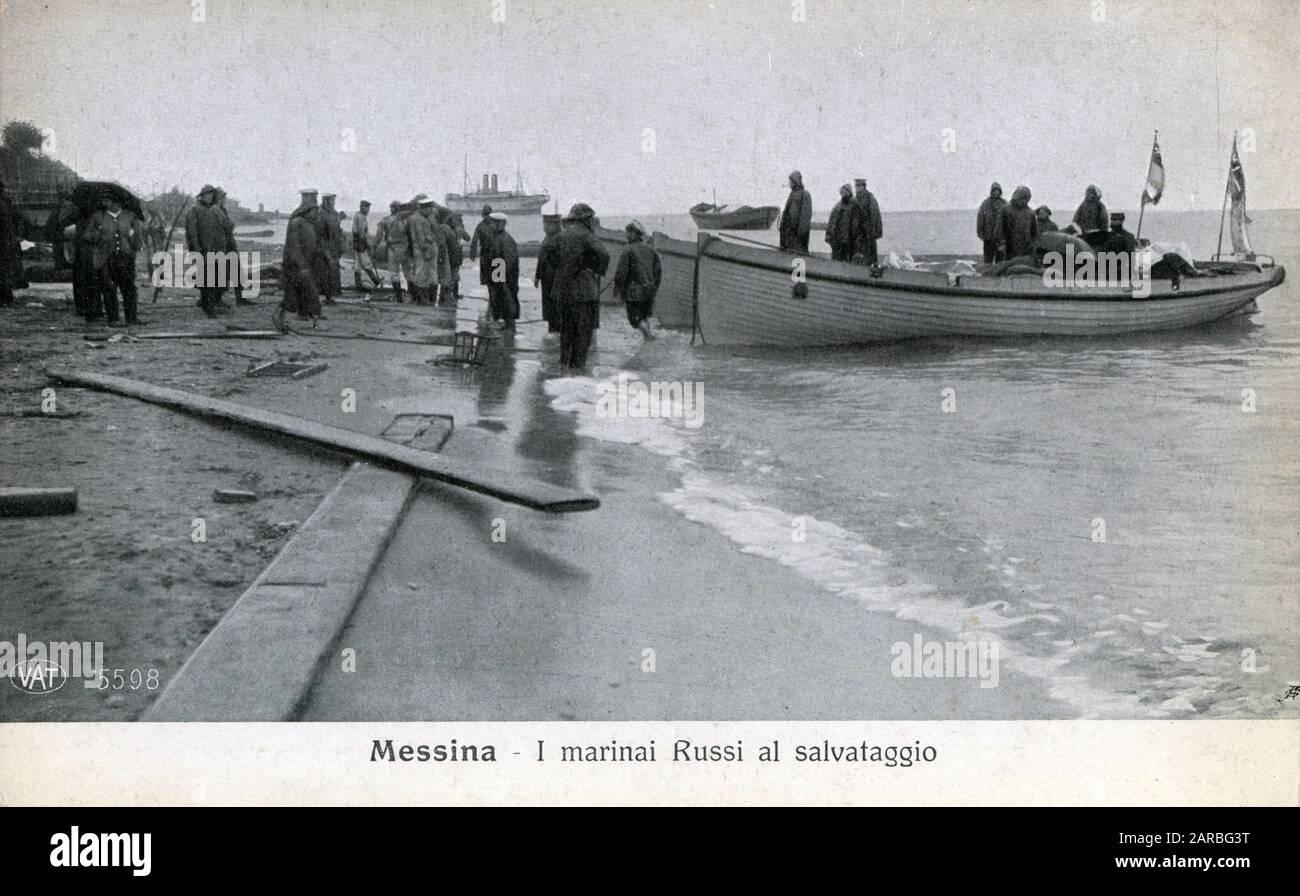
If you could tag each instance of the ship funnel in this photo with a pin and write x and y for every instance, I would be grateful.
(485, 183)
(494, 183)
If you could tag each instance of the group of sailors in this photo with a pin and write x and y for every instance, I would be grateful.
(1016, 237)
(854, 227)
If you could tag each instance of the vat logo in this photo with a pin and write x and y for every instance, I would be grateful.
(946, 659)
(78, 850)
(38, 677)
(42, 667)
(633, 398)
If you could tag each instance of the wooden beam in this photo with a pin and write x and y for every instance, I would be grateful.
(37, 501)
(497, 484)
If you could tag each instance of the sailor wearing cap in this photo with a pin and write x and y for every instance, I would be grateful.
(205, 234)
(870, 225)
(636, 280)
(545, 273)
(301, 263)
(581, 262)
(502, 255)
(423, 278)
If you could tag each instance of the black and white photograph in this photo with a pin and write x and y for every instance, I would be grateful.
(535, 362)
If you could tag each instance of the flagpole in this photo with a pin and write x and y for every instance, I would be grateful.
(1142, 207)
(1227, 184)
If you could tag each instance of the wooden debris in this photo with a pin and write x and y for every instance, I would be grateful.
(233, 496)
(230, 334)
(37, 501)
(504, 486)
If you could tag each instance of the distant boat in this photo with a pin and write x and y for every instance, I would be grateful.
(745, 297)
(510, 202)
(709, 216)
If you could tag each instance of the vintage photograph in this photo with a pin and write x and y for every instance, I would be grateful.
(537, 361)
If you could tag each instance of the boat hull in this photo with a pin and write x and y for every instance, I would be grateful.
(747, 297)
(673, 302)
(747, 218)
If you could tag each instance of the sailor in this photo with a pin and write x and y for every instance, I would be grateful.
(425, 243)
(580, 263)
(636, 280)
(844, 229)
(1091, 218)
(449, 261)
(391, 234)
(545, 274)
(205, 234)
(870, 225)
(796, 220)
(503, 274)
(1119, 239)
(331, 248)
(1019, 223)
(116, 233)
(301, 251)
(988, 225)
(232, 247)
(1045, 222)
(482, 231)
(361, 246)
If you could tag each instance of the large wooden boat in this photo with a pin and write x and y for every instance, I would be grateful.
(747, 295)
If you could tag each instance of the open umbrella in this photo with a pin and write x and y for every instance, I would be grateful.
(88, 197)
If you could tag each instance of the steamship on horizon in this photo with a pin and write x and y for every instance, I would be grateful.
(514, 202)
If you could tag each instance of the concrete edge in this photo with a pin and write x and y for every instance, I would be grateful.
(259, 663)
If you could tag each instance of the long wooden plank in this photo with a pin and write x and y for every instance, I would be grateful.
(505, 486)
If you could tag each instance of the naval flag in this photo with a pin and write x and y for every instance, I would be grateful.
(1155, 176)
(1237, 192)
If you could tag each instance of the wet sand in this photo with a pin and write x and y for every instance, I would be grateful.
(553, 623)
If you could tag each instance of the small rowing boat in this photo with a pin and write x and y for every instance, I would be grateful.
(708, 216)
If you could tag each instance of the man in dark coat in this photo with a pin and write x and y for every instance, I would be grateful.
(449, 291)
(502, 256)
(871, 226)
(796, 219)
(637, 278)
(115, 234)
(580, 263)
(844, 229)
(1045, 222)
(11, 259)
(1092, 219)
(331, 248)
(988, 225)
(1119, 239)
(545, 273)
(482, 233)
(301, 261)
(205, 234)
(1019, 223)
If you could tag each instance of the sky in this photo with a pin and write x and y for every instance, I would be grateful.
(648, 107)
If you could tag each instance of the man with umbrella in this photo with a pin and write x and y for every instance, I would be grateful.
(115, 233)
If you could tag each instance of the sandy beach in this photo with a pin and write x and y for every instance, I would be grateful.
(554, 622)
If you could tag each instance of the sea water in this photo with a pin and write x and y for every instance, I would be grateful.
(1121, 514)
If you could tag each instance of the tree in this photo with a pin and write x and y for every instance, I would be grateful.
(22, 136)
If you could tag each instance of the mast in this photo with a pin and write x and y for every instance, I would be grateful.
(464, 179)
